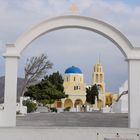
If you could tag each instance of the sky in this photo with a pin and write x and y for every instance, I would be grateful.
(68, 47)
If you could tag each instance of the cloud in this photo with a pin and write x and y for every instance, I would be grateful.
(73, 46)
(65, 49)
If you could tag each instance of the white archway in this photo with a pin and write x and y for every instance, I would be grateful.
(62, 22)
(14, 51)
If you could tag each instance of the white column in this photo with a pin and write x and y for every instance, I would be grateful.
(134, 93)
(96, 103)
(10, 95)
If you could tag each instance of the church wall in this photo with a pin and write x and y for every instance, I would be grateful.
(75, 87)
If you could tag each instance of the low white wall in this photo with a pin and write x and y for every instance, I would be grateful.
(64, 133)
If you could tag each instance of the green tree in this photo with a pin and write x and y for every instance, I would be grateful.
(92, 92)
(31, 106)
(48, 90)
(57, 80)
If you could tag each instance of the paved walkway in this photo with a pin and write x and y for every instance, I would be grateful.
(69, 119)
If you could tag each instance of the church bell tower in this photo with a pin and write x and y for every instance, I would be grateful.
(98, 79)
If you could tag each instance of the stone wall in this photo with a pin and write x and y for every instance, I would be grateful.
(64, 133)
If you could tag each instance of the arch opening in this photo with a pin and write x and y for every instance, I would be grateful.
(104, 29)
(68, 103)
(81, 22)
(78, 102)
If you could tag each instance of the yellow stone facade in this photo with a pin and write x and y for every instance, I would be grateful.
(75, 87)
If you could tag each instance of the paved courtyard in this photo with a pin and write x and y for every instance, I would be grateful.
(69, 119)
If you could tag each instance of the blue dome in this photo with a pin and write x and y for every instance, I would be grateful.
(73, 69)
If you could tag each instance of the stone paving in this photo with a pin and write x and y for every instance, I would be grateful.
(69, 119)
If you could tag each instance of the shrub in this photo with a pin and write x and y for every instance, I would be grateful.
(31, 106)
(53, 109)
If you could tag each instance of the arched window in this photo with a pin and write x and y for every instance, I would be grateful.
(97, 78)
(101, 78)
(77, 87)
